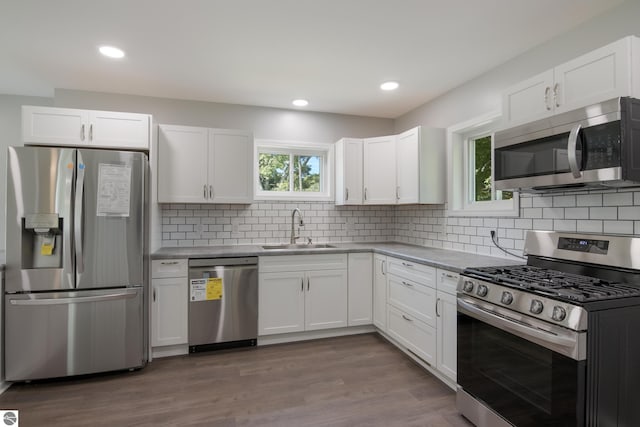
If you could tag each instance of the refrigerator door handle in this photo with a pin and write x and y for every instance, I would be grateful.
(66, 235)
(78, 220)
(58, 301)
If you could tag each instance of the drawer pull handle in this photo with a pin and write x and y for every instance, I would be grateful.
(406, 318)
(407, 284)
(450, 276)
(406, 264)
(169, 262)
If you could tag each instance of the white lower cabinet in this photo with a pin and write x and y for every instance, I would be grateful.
(447, 318)
(380, 292)
(169, 303)
(360, 297)
(417, 336)
(302, 293)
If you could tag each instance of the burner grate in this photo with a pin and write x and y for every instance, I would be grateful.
(555, 283)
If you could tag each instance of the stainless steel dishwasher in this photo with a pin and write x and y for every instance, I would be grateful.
(223, 303)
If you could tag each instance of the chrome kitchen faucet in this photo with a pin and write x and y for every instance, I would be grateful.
(300, 224)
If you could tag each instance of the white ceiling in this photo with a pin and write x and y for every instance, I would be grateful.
(335, 53)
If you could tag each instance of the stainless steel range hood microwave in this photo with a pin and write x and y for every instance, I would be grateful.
(593, 147)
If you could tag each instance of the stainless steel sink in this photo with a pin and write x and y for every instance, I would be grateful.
(298, 246)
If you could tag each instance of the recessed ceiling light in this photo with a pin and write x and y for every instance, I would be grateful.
(111, 52)
(389, 86)
(300, 102)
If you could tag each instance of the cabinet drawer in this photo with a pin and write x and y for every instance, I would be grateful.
(169, 268)
(303, 262)
(422, 274)
(447, 281)
(417, 336)
(413, 298)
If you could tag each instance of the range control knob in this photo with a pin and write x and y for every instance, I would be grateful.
(536, 306)
(467, 286)
(507, 298)
(482, 291)
(559, 313)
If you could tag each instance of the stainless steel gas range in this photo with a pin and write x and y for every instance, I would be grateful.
(555, 342)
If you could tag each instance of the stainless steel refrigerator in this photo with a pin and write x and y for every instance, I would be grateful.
(76, 276)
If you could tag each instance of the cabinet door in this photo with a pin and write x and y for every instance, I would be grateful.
(447, 317)
(529, 100)
(380, 292)
(326, 299)
(380, 170)
(169, 311)
(602, 74)
(56, 126)
(230, 168)
(349, 171)
(360, 289)
(182, 164)
(407, 169)
(281, 302)
(119, 130)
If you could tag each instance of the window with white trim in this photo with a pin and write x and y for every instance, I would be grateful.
(293, 170)
(470, 154)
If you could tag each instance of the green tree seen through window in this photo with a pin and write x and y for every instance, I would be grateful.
(482, 166)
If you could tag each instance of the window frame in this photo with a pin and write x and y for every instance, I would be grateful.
(460, 187)
(295, 148)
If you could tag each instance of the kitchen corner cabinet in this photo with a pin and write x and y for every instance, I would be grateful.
(302, 293)
(447, 318)
(420, 170)
(349, 173)
(379, 170)
(73, 127)
(169, 302)
(602, 74)
(202, 165)
(360, 283)
(380, 292)
(408, 168)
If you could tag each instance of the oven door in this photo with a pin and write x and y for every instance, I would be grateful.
(514, 365)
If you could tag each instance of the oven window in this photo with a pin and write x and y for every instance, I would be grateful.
(525, 383)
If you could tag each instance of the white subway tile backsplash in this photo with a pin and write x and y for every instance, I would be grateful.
(599, 212)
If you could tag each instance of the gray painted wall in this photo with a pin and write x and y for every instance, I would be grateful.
(266, 123)
(483, 94)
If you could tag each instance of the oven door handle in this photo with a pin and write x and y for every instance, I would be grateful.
(568, 343)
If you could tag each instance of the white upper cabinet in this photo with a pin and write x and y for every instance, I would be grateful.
(420, 171)
(380, 170)
(349, 173)
(201, 165)
(602, 74)
(388, 170)
(230, 166)
(72, 127)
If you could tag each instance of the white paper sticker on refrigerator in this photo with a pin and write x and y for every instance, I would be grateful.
(114, 190)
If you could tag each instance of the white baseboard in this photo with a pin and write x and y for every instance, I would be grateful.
(312, 335)
(170, 350)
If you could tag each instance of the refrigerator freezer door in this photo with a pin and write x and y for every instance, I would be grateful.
(57, 334)
(109, 218)
(39, 219)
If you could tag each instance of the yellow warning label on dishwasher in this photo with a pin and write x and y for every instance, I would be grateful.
(214, 288)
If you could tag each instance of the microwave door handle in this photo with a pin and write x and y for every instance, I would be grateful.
(571, 151)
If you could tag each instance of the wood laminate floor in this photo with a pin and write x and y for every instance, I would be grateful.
(357, 380)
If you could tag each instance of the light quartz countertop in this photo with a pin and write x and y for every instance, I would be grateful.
(441, 258)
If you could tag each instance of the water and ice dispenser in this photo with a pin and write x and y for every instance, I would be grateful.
(42, 241)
